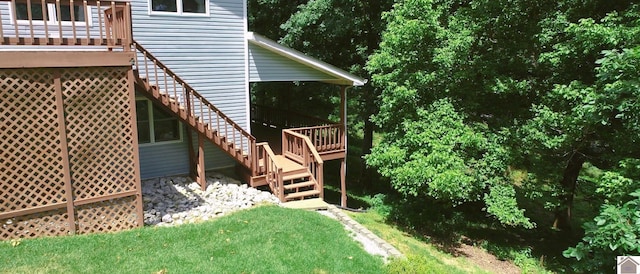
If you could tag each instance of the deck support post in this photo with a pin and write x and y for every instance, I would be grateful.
(192, 157)
(66, 169)
(201, 176)
(343, 164)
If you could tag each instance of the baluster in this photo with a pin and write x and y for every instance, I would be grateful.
(30, 17)
(210, 120)
(201, 111)
(156, 82)
(86, 19)
(175, 88)
(166, 83)
(43, 5)
(15, 18)
(73, 21)
(218, 123)
(114, 27)
(234, 129)
(100, 28)
(1, 27)
(59, 15)
(146, 68)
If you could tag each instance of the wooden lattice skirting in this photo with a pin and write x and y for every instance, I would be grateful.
(68, 152)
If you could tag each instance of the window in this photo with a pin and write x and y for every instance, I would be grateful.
(155, 124)
(51, 14)
(187, 7)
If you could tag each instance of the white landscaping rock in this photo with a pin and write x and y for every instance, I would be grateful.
(172, 201)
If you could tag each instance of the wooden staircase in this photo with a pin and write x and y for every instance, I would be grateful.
(294, 175)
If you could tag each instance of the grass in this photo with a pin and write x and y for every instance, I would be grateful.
(422, 257)
(265, 239)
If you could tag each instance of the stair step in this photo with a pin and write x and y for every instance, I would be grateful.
(296, 175)
(299, 185)
(288, 165)
(301, 194)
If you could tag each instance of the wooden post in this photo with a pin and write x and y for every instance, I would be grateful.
(202, 179)
(136, 152)
(64, 149)
(192, 156)
(343, 164)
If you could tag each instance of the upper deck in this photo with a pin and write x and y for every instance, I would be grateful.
(89, 23)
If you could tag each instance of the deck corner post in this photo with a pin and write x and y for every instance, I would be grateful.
(201, 175)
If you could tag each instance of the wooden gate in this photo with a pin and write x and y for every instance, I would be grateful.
(68, 152)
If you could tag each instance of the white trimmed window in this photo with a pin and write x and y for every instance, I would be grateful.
(155, 125)
(51, 14)
(179, 7)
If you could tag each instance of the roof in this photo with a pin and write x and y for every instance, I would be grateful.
(340, 76)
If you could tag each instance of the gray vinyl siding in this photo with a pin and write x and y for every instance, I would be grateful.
(160, 159)
(266, 66)
(172, 158)
(209, 54)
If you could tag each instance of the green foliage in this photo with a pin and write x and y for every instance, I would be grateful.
(614, 232)
(438, 156)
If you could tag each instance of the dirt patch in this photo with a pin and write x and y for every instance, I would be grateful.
(478, 256)
(485, 260)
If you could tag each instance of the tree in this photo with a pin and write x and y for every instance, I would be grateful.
(525, 69)
(587, 115)
(469, 54)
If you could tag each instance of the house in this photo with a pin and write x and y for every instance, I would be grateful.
(97, 95)
(627, 265)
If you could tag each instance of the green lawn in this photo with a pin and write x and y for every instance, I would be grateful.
(266, 239)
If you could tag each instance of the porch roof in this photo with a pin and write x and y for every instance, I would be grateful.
(271, 62)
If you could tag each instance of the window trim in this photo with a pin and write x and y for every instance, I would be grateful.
(51, 13)
(152, 137)
(179, 12)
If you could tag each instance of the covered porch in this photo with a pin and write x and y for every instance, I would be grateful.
(280, 128)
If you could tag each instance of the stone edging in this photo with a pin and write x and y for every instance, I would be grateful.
(357, 227)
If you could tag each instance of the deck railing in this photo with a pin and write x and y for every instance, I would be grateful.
(299, 148)
(66, 22)
(183, 97)
(328, 138)
(283, 118)
(273, 173)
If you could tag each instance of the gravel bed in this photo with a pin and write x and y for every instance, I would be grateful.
(172, 201)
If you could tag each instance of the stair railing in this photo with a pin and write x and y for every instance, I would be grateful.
(273, 173)
(327, 138)
(200, 113)
(299, 148)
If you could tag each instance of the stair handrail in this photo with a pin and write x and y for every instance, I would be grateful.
(194, 100)
(306, 156)
(272, 172)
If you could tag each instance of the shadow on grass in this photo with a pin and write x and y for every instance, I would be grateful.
(447, 227)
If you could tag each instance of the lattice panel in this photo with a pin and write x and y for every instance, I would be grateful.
(99, 131)
(107, 216)
(31, 156)
(50, 223)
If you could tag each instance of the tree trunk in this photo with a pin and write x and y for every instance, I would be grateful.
(569, 181)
